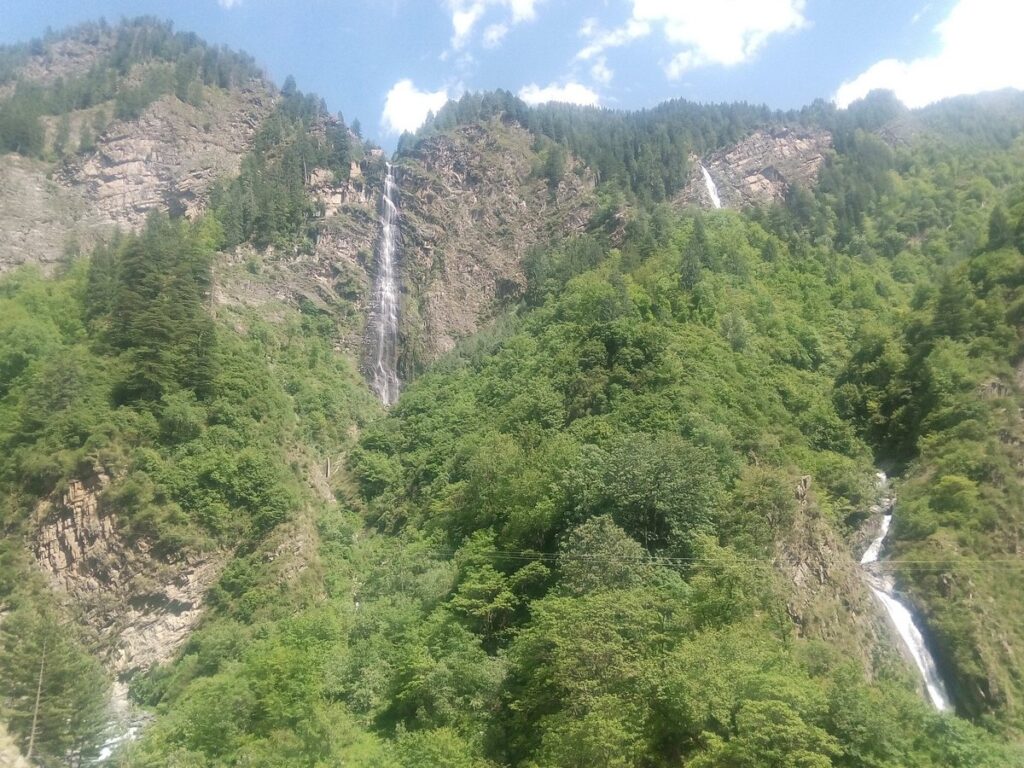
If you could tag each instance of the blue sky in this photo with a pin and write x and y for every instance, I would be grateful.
(388, 62)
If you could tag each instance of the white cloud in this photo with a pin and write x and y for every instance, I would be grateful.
(494, 34)
(463, 21)
(980, 51)
(406, 107)
(589, 27)
(229, 4)
(571, 93)
(601, 72)
(467, 13)
(602, 41)
(724, 32)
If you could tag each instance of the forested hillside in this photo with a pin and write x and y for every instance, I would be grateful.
(617, 524)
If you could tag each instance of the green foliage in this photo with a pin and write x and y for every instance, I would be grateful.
(936, 394)
(644, 151)
(267, 202)
(643, 440)
(150, 297)
(20, 128)
(559, 548)
(119, 368)
(52, 691)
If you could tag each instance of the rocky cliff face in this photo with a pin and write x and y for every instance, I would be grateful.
(828, 598)
(471, 206)
(10, 755)
(760, 169)
(140, 608)
(166, 160)
(38, 217)
(170, 157)
(335, 277)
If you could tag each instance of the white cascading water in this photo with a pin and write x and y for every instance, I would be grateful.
(712, 189)
(901, 616)
(385, 366)
(124, 726)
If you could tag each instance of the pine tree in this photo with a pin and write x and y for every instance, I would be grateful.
(53, 693)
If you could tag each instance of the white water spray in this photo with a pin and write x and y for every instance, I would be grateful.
(123, 727)
(712, 189)
(385, 367)
(899, 614)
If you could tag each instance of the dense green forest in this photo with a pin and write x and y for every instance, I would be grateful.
(564, 545)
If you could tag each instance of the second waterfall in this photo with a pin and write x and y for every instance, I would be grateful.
(385, 355)
(900, 615)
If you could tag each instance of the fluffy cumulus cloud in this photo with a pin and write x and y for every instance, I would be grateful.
(466, 14)
(229, 4)
(571, 93)
(406, 107)
(980, 51)
(724, 32)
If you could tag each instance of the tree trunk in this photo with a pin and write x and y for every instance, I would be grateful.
(35, 709)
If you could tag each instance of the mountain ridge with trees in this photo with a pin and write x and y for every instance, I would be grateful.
(618, 524)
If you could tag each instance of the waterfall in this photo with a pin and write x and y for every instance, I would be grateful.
(124, 725)
(899, 614)
(712, 189)
(385, 338)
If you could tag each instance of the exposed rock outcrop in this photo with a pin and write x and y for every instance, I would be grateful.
(472, 205)
(827, 597)
(166, 160)
(140, 608)
(334, 278)
(38, 217)
(760, 169)
(10, 755)
(170, 157)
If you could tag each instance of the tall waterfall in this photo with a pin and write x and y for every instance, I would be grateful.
(900, 615)
(385, 352)
(712, 189)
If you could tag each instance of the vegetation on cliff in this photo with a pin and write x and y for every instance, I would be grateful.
(159, 60)
(562, 546)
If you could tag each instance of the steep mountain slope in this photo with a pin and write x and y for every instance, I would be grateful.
(616, 514)
(125, 120)
(473, 203)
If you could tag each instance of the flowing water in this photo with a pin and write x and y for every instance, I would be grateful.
(712, 189)
(124, 726)
(899, 614)
(385, 352)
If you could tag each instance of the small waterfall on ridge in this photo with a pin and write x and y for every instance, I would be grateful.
(899, 614)
(385, 338)
(712, 189)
